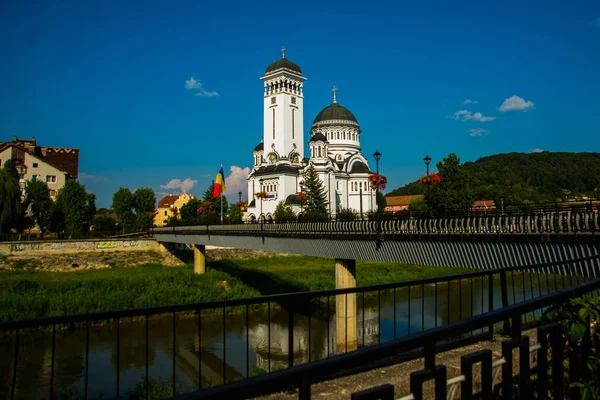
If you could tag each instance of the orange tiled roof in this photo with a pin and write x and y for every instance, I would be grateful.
(167, 201)
(401, 200)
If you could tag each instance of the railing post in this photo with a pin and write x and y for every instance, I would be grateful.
(504, 292)
(291, 337)
(491, 298)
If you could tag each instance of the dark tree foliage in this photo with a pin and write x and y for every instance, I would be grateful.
(189, 212)
(518, 178)
(452, 195)
(235, 214)
(10, 199)
(143, 204)
(76, 206)
(104, 223)
(315, 205)
(122, 203)
(381, 203)
(216, 202)
(283, 212)
(41, 205)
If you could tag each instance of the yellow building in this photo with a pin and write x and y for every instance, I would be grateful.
(169, 206)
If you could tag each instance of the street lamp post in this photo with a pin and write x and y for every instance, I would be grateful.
(377, 156)
(260, 183)
(240, 196)
(301, 199)
(427, 160)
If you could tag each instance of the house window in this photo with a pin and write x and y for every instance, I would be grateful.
(33, 177)
(165, 213)
(35, 165)
(273, 100)
(293, 100)
(50, 178)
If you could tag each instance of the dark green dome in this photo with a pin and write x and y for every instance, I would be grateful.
(283, 63)
(336, 112)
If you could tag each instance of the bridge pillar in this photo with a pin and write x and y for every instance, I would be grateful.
(345, 305)
(199, 259)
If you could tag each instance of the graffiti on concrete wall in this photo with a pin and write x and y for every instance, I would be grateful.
(87, 245)
(106, 245)
(18, 247)
(73, 245)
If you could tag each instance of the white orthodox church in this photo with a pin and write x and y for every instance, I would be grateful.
(333, 149)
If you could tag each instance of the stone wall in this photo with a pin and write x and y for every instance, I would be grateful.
(67, 246)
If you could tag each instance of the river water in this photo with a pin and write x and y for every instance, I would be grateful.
(236, 346)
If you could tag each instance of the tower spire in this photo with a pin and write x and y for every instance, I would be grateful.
(334, 96)
(283, 49)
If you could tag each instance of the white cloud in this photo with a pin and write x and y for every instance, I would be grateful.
(516, 103)
(193, 84)
(466, 115)
(91, 178)
(478, 132)
(236, 182)
(469, 101)
(183, 185)
(536, 150)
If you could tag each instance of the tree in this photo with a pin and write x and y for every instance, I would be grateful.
(316, 200)
(122, 203)
(104, 223)
(189, 212)
(57, 218)
(417, 205)
(74, 203)
(41, 205)
(381, 202)
(216, 202)
(10, 199)
(284, 212)
(144, 201)
(173, 221)
(90, 209)
(452, 194)
(235, 214)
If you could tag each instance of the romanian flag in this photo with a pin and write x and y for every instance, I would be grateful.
(219, 184)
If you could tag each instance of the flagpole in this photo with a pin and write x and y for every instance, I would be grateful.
(221, 195)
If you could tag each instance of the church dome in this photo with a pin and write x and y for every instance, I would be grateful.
(283, 63)
(335, 112)
(259, 147)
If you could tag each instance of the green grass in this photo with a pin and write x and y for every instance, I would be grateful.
(36, 294)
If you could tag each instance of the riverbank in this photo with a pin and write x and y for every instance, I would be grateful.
(29, 294)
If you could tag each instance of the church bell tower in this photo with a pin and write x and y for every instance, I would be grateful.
(283, 111)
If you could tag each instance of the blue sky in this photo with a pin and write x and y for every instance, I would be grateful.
(110, 79)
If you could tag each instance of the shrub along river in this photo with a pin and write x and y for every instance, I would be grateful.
(208, 349)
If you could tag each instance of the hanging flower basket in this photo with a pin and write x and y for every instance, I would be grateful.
(261, 195)
(199, 211)
(242, 204)
(377, 181)
(432, 178)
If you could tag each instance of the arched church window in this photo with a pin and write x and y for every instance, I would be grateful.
(338, 135)
(344, 137)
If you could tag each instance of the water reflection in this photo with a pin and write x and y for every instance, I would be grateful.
(200, 352)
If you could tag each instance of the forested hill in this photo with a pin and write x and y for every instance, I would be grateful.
(519, 177)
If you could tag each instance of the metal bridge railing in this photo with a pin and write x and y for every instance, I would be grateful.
(544, 220)
(385, 312)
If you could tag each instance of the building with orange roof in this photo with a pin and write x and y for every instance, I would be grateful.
(169, 206)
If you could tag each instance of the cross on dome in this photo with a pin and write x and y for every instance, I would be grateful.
(283, 49)
(334, 97)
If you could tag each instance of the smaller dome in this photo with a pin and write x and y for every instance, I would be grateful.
(318, 136)
(359, 167)
(283, 63)
(259, 147)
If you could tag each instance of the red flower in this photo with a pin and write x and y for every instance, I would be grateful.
(432, 178)
(377, 181)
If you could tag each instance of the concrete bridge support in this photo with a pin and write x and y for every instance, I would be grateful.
(199, 259)
(345, 305)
